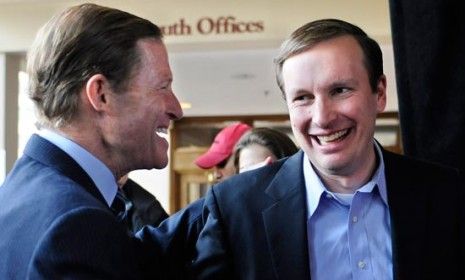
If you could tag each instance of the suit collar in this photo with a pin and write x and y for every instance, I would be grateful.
(47, 153)
(100, 174)
(288, 179)
(285, 221)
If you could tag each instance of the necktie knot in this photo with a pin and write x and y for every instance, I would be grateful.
(121, 206)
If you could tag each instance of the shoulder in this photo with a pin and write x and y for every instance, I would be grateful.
(45, 188)
(264, 175)
(132, 188)
(416, 168)
(289, 168)
(87, 240)
(252, 181)
(257, 189)
(137, 193)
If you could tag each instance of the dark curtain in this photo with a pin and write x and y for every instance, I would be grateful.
(429, 49)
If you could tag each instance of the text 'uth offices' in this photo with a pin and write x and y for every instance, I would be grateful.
(213, 26)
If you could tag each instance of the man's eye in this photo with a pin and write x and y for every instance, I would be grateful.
(165, 87)
(340, 90)
(303, 98)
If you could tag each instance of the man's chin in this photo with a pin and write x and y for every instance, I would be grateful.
(161, 165)
(331, 165)
(161, 162)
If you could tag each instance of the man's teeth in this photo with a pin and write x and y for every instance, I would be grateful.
(162, 132)
(332, 137)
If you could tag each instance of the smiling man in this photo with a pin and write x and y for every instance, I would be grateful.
(343, 207)
(101, 84)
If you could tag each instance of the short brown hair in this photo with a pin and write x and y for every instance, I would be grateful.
(76, 44)
(318, 31)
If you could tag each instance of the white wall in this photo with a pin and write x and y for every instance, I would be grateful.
(19, 20)
(155, 181)
(9, 68)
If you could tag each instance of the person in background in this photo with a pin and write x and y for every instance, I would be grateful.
(219, 155)
(261, 146)
(141, 206)
(342, 207)
(100, 81)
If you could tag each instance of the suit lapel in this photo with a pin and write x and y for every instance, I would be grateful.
(285, 221)
(407, 205)
(44, 151)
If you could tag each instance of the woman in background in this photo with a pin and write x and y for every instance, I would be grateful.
(261, 146)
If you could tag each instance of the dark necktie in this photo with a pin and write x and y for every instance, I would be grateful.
(121, 206)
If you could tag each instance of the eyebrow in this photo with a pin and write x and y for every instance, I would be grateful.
(334, 84)
(301, 92)
(343, 82)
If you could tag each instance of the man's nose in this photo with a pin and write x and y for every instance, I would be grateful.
(174, 108)
(323, 113)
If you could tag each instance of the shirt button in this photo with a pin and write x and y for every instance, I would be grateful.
(328, 195)
(362, 264)
(354, 219)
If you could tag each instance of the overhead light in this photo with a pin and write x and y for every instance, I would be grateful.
(186, 105)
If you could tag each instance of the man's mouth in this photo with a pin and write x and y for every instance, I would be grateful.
(162, 132)
(333, 137)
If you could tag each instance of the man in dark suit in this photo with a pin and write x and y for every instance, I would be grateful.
(342, 208)
(97, 76)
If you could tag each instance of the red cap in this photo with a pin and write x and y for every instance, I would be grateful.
(222, 146)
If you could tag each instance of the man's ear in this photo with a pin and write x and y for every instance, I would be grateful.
(381, 94)
(97, 90)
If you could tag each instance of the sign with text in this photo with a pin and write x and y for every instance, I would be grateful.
(223, 25)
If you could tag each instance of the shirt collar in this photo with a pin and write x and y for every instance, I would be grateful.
(99, 173)
(315, 187)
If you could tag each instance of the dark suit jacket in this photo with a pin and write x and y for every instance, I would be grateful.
(256, 225)
(175, 238)
(145, 210)
(55, 224)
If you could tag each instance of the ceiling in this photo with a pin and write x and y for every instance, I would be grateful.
(227, 82)
(241, 81)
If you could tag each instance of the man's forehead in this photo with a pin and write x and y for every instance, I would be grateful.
(153, 58)
(331, 44)
(326, 58)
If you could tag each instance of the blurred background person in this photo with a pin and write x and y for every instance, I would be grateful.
(261, 146)
(142, 208)
(219, 155)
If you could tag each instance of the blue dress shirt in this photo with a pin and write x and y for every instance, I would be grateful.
(349, 236)
(99, 173)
